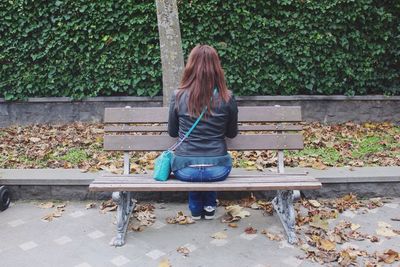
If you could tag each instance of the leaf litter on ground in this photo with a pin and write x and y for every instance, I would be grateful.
(142, 216)
(80, 145)
(319, 239)
(59, 210)
(180, 218)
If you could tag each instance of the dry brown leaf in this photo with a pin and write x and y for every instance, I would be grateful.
(384, 229)
(272, 236)
(237, 211)
(108, 206)
(184, 250)
(233, 225)
(354, 226)
(314, 203)
(90, 205)
(250, 231)
(319, 165)
(180, 218)
(317, 222)
(390, 256)
(327, 245)
(145, 218)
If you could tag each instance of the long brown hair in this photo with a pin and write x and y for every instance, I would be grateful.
(203, 72)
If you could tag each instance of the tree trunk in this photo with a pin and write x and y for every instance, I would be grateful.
(170, 46)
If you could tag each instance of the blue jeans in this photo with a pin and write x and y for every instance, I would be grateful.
(199, 199)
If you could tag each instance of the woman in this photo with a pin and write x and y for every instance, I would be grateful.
(203, 156)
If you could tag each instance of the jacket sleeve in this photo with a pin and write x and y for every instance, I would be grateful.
(173, 120)
(232, 126)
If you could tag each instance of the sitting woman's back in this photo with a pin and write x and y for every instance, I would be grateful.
(202, 157)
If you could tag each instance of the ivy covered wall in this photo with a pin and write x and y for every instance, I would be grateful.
(84, 48)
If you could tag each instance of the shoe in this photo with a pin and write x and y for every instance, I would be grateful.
(196, 217)
(209, 213)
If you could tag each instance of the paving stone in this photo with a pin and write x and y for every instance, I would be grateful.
(120, 260)
(84, 264)
(84, 240)
(292, 261)
(96, 234)
(28, 245)
(155, 254)
(16, 223)
(248, 236)
(349, 214)
(63, 240)
(219, 242)
(77, 214)
(392, 205)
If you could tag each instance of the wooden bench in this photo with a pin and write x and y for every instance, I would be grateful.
(130, 129)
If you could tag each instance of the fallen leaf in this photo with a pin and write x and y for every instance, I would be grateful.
(384, 229)
(90, 205)
(319, 165)
(317, 222)
(327, 245)
(237, 211)
(180, 218)
(354, 226)
(314, 203)
(250, 231)
(164, 263)
(390, 256)
(386, 232)
(184, 250)
(34, 139)
(108, 206)
(272, 236)
(233, 225)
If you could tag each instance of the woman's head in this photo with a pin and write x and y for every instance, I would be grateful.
(203, 72)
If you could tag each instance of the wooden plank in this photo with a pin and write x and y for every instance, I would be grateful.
(160, 115)
(163, 128)
(240, 142)
(234, 174)
(216, 186)
(149, 180)
(136, 115)
(270, 114)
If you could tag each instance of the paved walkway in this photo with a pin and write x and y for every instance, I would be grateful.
(80, 237)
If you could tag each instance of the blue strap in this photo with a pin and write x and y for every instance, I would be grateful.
(193, 126)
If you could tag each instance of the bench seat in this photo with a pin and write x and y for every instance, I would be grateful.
(255, 182)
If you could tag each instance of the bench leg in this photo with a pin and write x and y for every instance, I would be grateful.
(283, 205)
(124, 211)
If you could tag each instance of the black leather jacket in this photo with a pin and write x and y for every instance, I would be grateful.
(208, 138)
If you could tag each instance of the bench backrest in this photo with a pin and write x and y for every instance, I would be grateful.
(144, 129)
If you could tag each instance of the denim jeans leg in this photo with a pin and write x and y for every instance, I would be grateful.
(196, 203)
(214, 174)
(209, 199)
(195, 198)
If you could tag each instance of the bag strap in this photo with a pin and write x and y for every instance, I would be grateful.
(193, 126)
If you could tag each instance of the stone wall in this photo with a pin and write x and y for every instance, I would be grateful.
(327, 109)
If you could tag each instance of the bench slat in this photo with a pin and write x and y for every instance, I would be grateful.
(160, 115)
(216, 186)
(240, 142)
(235, 173)
(163, 128)
(149, 180)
